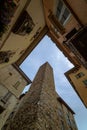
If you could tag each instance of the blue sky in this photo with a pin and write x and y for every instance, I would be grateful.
(46, 51)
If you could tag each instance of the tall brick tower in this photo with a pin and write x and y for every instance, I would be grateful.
(39, 108)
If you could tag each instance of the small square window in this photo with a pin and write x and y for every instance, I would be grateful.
(85, 82)
(79, 75)
(6, 97)
(16, 85)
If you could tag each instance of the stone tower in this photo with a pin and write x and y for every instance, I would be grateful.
(39, 108)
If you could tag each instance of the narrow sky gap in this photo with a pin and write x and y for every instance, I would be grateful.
(46, 51)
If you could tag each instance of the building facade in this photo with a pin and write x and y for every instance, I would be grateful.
(12, 83)
(20, 28)
(13, 78)
(78, 79)
(66, 114)
(60, 19)
(42, 108)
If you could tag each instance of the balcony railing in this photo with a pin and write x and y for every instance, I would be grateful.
(77, 44)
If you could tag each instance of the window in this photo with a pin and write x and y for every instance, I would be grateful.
(62, 125)
(11, 115)
(4, 127)
(85, 82)
(64, 16)
(70, 128)
(24, 25)
(16, 84)
(68, 119)
(71, 33)
(79, 75)
(59, 8)
(6, 97)
(60, 112)
(62, 12)
(73, 123)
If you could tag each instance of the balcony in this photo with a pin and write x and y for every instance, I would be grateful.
(77, 43)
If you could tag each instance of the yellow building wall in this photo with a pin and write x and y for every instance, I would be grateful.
(16, 43)
(80, 8)
(21, 4)
(80, 87)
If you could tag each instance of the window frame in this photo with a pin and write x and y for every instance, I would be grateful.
(79, 75)
(85, 82)
(62, 12)
(6, 97)
(62, 125)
